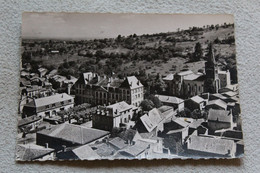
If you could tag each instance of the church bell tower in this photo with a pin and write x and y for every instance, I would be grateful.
(212, 82)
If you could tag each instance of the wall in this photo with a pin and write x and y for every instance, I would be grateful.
(247, 40)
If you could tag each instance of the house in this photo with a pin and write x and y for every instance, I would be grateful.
(224, 77)
(99, 90)
(29, 152)
(175, 102)
(216, 104)
(209, 146)
(35, 91)
(168, 81)
(177, 129)
(219, 119)
(136, 151)
(118, 143)
(115, 115)
(68, 135)
(84, 152)
(103, 150)
(195, 102)
(167, 112)
(48, 106)
(31, 122)
(151, 121)
(42, 71)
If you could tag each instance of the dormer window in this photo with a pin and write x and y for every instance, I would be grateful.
(62, 103)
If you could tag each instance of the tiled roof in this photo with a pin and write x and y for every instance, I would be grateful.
(75, 133)
(30, 152)
(219, 115)
(169, 99)
(210, 145)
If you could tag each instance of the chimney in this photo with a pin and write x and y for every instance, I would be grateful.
(46, 145)
(63, 148)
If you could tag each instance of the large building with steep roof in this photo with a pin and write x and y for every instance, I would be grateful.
(99, 90)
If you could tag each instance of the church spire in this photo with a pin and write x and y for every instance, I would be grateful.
(211, 57)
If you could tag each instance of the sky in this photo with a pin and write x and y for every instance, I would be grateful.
(106, 25)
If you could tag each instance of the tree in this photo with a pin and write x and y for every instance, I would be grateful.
(147, 105)
(157, 103)
(197, 53)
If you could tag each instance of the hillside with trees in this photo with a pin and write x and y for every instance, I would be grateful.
(141, 55)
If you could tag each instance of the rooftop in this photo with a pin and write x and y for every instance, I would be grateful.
(169, 99)
(219, 115)
(169, 77)
(118, 143)
(31, 151)
(39, 102)
(85, 152)
(218, 102)
(28, 120)
(197, 99)
(75, 133)
(120, 106)
(210, 145)
(184, 73)
(192, 76)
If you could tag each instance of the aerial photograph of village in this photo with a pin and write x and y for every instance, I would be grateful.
(128, 86)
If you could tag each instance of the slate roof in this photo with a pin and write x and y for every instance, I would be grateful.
(219, 115)
(31, 152)
(210, 145)
(169, 99)
(74, 133)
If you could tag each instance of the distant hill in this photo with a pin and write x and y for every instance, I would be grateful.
(162, 53)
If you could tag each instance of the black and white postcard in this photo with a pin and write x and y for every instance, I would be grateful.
(128, 86)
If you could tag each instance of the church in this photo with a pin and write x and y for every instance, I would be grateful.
(186, 83)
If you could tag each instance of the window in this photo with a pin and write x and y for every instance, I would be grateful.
(70, 100)
(62, 103)
(47, 106)
(53, 105)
